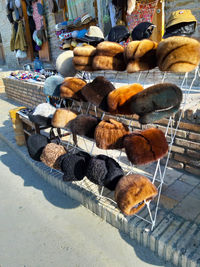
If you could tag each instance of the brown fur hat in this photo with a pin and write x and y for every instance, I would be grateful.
(108, 63)
(84, 61)
(178, 54)
(84, 125)
(85, 51)
(146, 146)
(62, 117)
(109, 49)
(83, 67)
(70, 88)
(117, 99)
(141, 55)
(156, 102)
(131, 192)
(96, 92)
(110, 134)
(51, 153)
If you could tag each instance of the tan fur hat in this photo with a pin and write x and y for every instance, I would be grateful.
(71, 86)
(108, 63)
(178, 54)
(110, 134)
(109, 49)
(61, 117)
(81, 60)
(131, 192)
(83, 67)
(85, 51)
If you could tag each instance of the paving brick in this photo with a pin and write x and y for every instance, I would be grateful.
(189, 179)
(167, 202)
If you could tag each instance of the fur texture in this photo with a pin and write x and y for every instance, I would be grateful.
(156, 102)
(104, 171)
(62, 117)
(108, 63)
(35, 145)
(40, 120)
(131, 6)
(146, 63)
(178, 54)
(84, 61)
(85, 51)
(109, 49)
(71, 87)
(97, 90)
(50, 155)
(131, 191)
(117, 99)
(74, 166)
(110, 134)
(146, 146)
(83, 67)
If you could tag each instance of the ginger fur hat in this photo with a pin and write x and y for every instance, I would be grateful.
(143, 147)
(132, 191)
(110, 134)
(178, 54)
(62, 117)
(70, 88)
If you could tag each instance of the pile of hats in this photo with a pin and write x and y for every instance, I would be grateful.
(83, 57)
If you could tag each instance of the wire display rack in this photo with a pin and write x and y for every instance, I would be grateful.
(157, 171)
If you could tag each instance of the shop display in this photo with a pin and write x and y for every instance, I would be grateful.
(143, 147)
(62, 117)
(132, 191)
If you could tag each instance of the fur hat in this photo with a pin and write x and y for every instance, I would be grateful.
(40, 120)
(97, 91)
(104, 171)
(70, 88)
(118, 34)
(35, 145)
(50, 85)
(83, 67)
(82, 60)
(109, 49)
(178, 54)
(131, 192)
(65, 65)
(142, 31)
(84, 51)
(108, 63)
(62, 117)
(145, 146)
(74, 166)
(156, 102)
(110, 134)
(51, 153)
(84, 125)
(118, 98)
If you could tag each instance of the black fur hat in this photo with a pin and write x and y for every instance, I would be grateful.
(41, 120)
(74, 166)
(96, 91)
(104, 171)
(35, 145)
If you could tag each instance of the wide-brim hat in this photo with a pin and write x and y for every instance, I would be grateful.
(65, 65)
(179, 16)
(105, 171)
(143, 147)
(132, 191)
(50, 85)
(94, 31)
(35, 145)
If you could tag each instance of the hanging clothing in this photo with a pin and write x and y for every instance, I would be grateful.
(20, 41)
(12, 40)
(78, 8)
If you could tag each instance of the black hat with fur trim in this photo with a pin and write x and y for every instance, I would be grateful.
(35, 145)
(104, 171)
(74, 166)
(96, 92)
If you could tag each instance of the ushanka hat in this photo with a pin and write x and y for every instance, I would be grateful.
(110, 134)
(62, 117)
(35, 145)
(74, 166)
(97, 91)
(118, 98)
(70, 88)
(50, 155)
(50, 85)
(156, 102)
(178, 54)
(132, 191)
(145, 146)
(105, 171)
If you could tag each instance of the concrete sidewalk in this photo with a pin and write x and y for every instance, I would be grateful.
(176, 236)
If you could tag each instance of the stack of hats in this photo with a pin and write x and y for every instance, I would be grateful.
(83, 57)
(141, 55)
(109, 56)
(71, 88)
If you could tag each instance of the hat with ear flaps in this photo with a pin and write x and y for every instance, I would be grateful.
(35, 145)
(178, 54)
(70, 88)
(51, 153)
(143, 147)
(132, 191)
(105, 171)
(74, 166)
(110, 134)
(62, 117)
(51, 84)
(156, 102)
(96, 92)
(118, 98)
